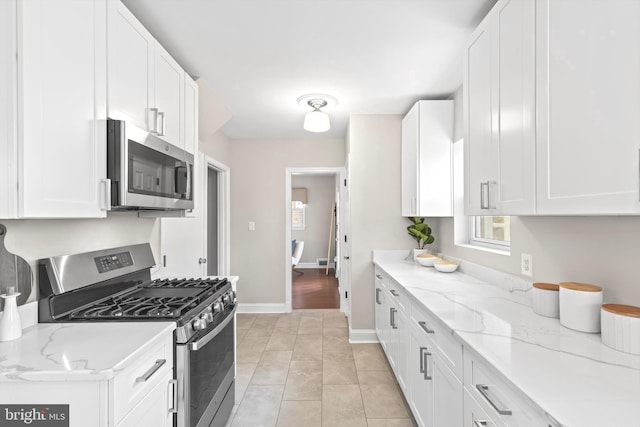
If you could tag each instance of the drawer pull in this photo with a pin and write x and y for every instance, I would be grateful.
(424, 326)
(378, 296)
(394, 293)
(425, 356)
(151, 371)
(480, 423)
(379, 276)
(422, 350)
(173, 408)
(392, 320)
(493, 400)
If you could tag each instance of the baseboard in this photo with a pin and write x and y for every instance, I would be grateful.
(261, 308)
(361, 336)
(314, 265)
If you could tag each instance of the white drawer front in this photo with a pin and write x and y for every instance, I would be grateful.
(449, 347)
(501, 401)
(474, 415)
(138, 379)
(398, 296)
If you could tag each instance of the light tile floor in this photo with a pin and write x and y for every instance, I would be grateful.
(298, 369)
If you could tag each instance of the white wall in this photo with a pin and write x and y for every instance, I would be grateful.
(33, 239)
(258, 175)
(376, 217)
(320, 198)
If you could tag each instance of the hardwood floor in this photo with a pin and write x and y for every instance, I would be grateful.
(314, 289)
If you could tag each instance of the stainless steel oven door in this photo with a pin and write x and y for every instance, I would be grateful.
(205, 370)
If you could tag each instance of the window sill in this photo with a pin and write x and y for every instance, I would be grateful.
(505, 252)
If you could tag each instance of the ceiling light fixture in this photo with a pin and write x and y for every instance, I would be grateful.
(317, 120)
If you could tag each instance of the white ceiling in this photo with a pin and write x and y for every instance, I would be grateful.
(259, 56)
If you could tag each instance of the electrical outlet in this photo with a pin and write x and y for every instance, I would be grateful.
(526, 265)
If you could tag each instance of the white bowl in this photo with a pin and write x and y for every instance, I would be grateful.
(427, 261)
(445, 266)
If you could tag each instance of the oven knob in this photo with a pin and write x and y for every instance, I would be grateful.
(218, 306)
(208, 316)
(200, 323)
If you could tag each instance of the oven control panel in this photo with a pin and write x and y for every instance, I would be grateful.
(113, 262)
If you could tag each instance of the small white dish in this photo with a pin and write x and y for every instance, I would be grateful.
(444, 266)
(427, 261)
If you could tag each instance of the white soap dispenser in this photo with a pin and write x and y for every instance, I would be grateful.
(10, 323)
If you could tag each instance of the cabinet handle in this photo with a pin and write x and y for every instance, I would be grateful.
(422, 350)
(484, 189)
(151, 370)
(161, 127)
(394, 293)
(480, 423)
(493, 400)
(105, 194)
(393, 318)
(378, 296)
(413, 205)
(379, 276)
(202, 260)
(153, 130)
(424, 326)
(425, 356)
(173, 405)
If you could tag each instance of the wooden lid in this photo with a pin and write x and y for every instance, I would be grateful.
(547, 286)
(583, 287)
(622, 310)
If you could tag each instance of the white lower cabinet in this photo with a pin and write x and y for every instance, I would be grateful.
(474, 415)
(152, 410)
(435, 393)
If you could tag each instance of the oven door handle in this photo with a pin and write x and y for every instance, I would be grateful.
(197, 345)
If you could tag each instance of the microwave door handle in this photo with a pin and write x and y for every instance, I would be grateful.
(176, 178)
(197, 345)
(188, 166)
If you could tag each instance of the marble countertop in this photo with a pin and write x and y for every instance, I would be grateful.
(570, 375)
(76, 351)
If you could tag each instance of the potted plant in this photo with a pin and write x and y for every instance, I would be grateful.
(421, 233)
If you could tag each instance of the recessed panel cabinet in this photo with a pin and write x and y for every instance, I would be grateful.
(54, 109)
(146, 84)
(427, 180)
(551, 109)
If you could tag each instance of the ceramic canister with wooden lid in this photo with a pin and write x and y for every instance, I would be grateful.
(621, 327)
(546, 300)
(580, 306)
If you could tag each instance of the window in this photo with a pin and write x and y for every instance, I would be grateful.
(297, 215)
(491, 231)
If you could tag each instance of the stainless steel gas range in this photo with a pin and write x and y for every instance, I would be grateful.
(115, 285)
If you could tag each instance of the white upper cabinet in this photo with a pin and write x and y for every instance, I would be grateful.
(130, 68)
(146, 84)
(551, 109)
(190, 115)
(55, 143)
(499, 112)
(427, 185)
(588, 103)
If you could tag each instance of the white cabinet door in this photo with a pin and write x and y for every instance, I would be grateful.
(447, 393)
(420, 396)
(427, 186)
(130, 68)
(380, 312)
(8, 112)
(474, 415)
(168, 96)
(499, 112)
(62, 99)
(479, 159)
(410, 163)
(588, 132)
(190, 115)
(400, 343)
(154, 409)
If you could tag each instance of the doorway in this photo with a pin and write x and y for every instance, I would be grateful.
(212, 221)
(316, 277)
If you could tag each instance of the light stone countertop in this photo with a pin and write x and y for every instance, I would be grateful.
(570, 375)
(76, 351)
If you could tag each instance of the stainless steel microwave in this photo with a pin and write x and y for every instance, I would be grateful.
(145, 171)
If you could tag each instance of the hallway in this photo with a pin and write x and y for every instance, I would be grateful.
(314, 289)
